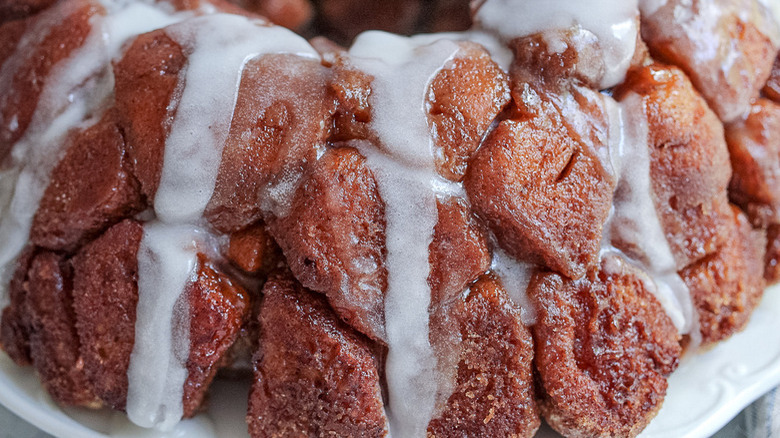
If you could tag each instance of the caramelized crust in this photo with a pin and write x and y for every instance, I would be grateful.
(754, 147)
(494, 388)
(57, 42)
(54, 343)
(218, 310)
(466, 96)
(105, 299)
(458, 253)
(146, 79)
(14, 326)
(727, 57)
(536, 63)
(314, 375)
(105, 295)
(604, 347)
(689, 161)
(726, 286)
(334, 238)
(544, 194)
(253, 249)
(91, 188)
(281, 120)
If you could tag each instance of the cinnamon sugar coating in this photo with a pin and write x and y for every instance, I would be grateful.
(90, 189)
(334, 238)
(54, 343)
(19, 98)
(253, 249)
(726, 286)
(754, 149)
(105, 295)
(466, 96)
(146, 78)
(604, 346)
(314, 375)
(14, 326)
(493, 392)
(543, 193)
(726, 51)
(280, 122)
(278, 125)
(105, 299)
(689, 160)
(459, 252)
(218, 309)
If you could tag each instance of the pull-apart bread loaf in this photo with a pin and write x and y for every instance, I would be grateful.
(528, 216)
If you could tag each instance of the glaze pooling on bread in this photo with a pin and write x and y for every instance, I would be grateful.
(217, 48)
(614, 22)
(167, 259)
(634, 227)
(403, 165)
(447, 194)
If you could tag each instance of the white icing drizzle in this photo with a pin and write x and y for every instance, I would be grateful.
(76, 88)
(402, 69)
(217, 46)
(634, 227)
(515, 276)
(167, 261)
(614, 22)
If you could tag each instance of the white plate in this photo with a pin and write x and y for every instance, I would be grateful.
(706, 392)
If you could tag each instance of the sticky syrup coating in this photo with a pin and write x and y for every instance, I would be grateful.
(465, 98)
(689, 160)
(334, 238)
(728, 77)
(494, 387)
(219, 308)
(90, 189)
(19, 99)
(105, 293)
(253, 250)
(545, 195)
(54, 343)
(604, 347)
(278, 125)
(459, 252)
(314, 375)
(145, 82)
(280, 122)
(754, 148)
(726, 286)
